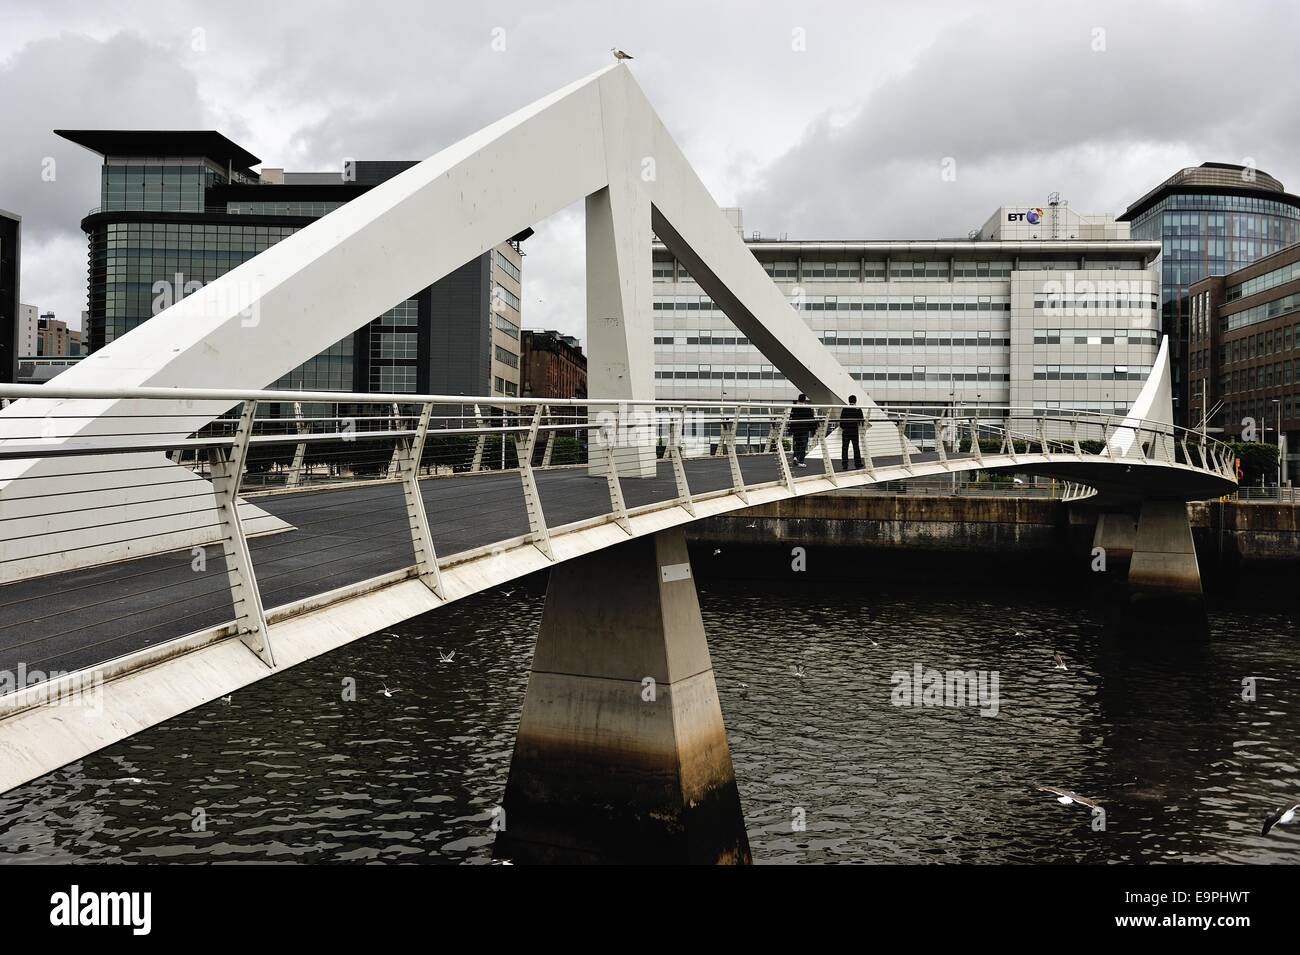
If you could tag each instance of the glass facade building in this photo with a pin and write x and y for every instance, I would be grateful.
(181, 209)
(1210, 220)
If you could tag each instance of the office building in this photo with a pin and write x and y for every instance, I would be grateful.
(10, 264)
(552, 365)
(28, 321)
(181, 208)
(1210, 219)
(54, 339)
(1244, 352)
(1013, 317)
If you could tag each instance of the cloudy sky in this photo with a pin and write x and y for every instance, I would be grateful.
(822, 120)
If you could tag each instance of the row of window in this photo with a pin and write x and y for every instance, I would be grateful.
(1096, 336)
(506, 357)
(1091, 373)
(283, 208)
(1053, 303)
(502, 296)
(1261, 283)
(503, 387)
(846, 303)
(1261, 376)
(1261, 343)
(505, 265)
(1262, 313)
(505, 325)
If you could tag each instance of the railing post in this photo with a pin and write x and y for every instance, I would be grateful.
(1074, 433)
(1105, 439)
(537, 529)
(782, 463)
(820, 441)
(975, 448)
(902, 444)
(426, 557)
(616, 505)
(395, 462)
(939, 442)
(477, 464)
(679, 468)
(227, 473)
(550, 442)
(1009, 441)
(729, 441)
(776, 433)
(1142, 451)
(1042, 436)
(300, 450)
(869, 465)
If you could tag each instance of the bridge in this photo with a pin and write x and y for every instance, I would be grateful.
(172, 532)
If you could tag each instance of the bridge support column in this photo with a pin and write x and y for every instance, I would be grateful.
(622, 754)
(1115, 534)
(1164, 555)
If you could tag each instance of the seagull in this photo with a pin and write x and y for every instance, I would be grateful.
(1065, 797)
(1017, 481)
(1060, 663)
(1283, 815)
(717, 551)
(798, 671)
(506, 593)
(225, 700)
(446, 657)
(387, 691)
(620, 55)
(131, 779)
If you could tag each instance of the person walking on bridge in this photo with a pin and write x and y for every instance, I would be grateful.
(801, 425)
(850, 420)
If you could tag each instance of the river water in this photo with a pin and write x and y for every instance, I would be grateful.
(1154, 730)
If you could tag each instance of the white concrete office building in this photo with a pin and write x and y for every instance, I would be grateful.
(1009, 318)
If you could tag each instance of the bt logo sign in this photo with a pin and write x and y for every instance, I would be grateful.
(1032, 216)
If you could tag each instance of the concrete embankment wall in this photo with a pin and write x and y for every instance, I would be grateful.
(1232, 539)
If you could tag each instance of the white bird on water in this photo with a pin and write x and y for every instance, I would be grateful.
(387, 691)
(1067, 797)
(1060, 663)
(1283, 816)
(620, 55)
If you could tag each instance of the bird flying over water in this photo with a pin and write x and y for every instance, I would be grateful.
(1283, 816)
(620, 55)
(446, 657)
(1067, 797)
(387, 691)
(1060, 663)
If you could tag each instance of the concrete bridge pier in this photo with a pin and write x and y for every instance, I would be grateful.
(1164, 556)
(621, 755)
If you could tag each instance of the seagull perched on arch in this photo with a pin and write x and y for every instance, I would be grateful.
(620, 55)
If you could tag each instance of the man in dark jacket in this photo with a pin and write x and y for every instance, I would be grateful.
(850, 420)
(801, 425)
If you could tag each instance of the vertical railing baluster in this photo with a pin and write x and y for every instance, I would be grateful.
(408, 465)
(1074, 433)
(227, 471)
(300, 450)
(679, 468)
(1042, 436)
(477, 464)
(399, 447)
(828, 468)
(783, 463)
(729, 442)
(617, 508)
(975, 448)
(538, 532)
(902, 444)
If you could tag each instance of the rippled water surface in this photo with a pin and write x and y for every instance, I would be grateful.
(1156, 731)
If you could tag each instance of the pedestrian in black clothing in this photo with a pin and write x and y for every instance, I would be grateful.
(850, 420)
(801, 425)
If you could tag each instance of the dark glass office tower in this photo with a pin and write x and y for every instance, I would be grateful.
(1210, 220)
(10, 246)
(181, 208)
